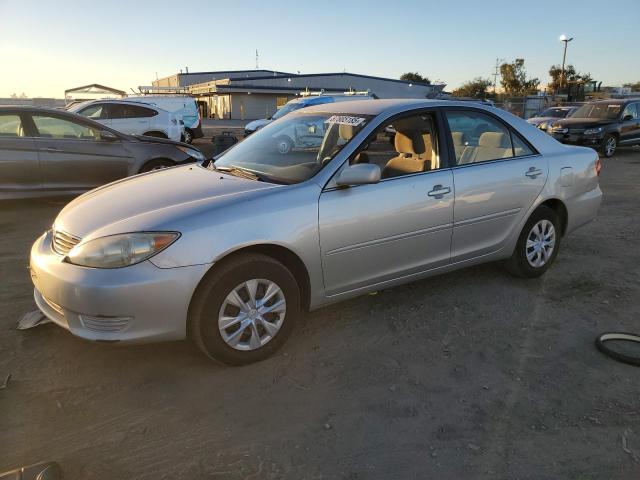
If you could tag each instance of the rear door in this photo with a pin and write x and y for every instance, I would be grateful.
(497, 177)
(19, 165)
(131, 119)
(72, 156)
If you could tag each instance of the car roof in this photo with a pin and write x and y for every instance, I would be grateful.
(377, 107)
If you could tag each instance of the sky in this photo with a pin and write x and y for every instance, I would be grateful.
(48, 46)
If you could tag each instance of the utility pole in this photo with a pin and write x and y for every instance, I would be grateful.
(257, 68)
(495, 75)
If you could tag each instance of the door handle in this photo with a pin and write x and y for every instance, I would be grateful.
(439, 191)
(49, 149)
(533, 172)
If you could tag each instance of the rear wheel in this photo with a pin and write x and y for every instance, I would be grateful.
(538, 244)
(188, 135)
(158, 164)
(245, 310)
(609, 145)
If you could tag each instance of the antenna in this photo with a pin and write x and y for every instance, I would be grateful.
(257, 67)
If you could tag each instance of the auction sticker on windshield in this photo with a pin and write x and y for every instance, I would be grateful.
(345, 120)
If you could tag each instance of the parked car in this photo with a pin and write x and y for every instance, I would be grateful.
(304, 102)
(132, 118)
(183, 105)
(230, 253)
(48, 152)
(602, 124)
(543, 119)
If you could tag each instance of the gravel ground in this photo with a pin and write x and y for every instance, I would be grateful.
(473, 374)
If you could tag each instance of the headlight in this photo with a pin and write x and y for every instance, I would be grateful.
(593, 131)
(192, 152)
(121, 250)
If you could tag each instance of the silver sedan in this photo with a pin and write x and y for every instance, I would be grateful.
(231, 252)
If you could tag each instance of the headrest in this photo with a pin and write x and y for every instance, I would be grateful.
(494, 140)
(458, 138)
(409, 142)
(346, 132)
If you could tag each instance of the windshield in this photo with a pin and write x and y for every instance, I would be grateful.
(598, 110)
(287, 108)
(293, 149)
(554, 112)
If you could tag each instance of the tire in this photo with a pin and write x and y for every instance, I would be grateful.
(601, 344)
(211, 302)
(188, 135)
(283, 145)
(524, 258)
(158, 164)
(155, 134)
(609, 145)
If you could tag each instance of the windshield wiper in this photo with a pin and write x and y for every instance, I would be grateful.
(239, 172)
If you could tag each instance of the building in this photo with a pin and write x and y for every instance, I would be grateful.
(252, 94)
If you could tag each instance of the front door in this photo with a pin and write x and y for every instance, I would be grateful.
(497, 176)
(398, 227)
(72, 156)
(630, 124)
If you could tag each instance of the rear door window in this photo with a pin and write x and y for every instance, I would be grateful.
(119, 111)
(478, 137)
(11, 126)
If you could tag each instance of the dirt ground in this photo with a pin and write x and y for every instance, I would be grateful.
(473, 374)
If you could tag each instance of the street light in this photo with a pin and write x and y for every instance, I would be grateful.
(566, 40)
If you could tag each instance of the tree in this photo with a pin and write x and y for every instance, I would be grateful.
(570, 75)
(514, 79)
(476, 88)
(414, 77)
(635, 87)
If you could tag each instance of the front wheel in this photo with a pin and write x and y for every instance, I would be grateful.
(244, 310)
(609, 145)
(158, 164)
(537, 246)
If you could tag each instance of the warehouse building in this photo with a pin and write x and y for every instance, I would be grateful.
(252, 94)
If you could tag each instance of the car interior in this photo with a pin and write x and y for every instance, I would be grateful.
(411, 149)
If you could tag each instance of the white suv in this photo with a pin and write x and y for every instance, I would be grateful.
(133, 118)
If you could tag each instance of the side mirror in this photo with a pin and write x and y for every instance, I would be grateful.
(627, 118)
(359, 174)
(106, 136)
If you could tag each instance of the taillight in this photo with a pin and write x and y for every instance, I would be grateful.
(598, 167)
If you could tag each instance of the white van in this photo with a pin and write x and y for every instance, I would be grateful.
(183, 105)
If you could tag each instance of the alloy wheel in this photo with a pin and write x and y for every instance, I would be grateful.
(252, 314)
(610, 146)
(540, 243)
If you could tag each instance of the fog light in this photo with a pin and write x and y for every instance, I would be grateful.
(104, 324)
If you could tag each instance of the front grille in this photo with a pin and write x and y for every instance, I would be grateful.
(63, 242)
(104, 324)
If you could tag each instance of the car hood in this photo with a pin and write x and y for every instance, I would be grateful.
(539, 120)
(256, 124)
(152, 201)
(582, 122)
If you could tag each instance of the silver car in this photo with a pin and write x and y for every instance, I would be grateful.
(230, 253)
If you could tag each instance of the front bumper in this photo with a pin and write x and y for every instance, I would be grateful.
(579, 139)
(136, 304)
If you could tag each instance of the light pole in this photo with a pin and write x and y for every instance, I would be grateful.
(566, 40)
